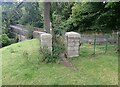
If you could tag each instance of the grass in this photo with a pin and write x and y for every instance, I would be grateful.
(21, 65)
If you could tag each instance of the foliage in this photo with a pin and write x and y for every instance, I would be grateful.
(60, 12)
(31, 14)
(62, 8)
(58, 46)
(65, 16)
(27, 13)
(30, 30)
(5, 40)
(57, 49)
(109, 19)
(94, 16)
(83, 16)
(46, 55)
(58, 28)
(58, 16)
(10, 15)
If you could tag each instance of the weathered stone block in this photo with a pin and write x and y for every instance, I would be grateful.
(37, 34)
(72, 43)
(72, 35)
(73, 53)
(46, 40)
(73, 48)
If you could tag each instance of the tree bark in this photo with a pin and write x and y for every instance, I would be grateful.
(47, 17)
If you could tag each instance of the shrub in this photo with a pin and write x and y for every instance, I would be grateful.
(5, 40)
(30, 31)
(57, 48)
(46, 55)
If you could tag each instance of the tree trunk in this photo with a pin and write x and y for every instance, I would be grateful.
(47, 17)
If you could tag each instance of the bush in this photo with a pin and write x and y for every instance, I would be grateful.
(57, 49)
(46, 55)
(30, 31)
(58, 46)
(5, 40)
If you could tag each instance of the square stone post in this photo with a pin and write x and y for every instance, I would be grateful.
(46, 40)
(72, 43)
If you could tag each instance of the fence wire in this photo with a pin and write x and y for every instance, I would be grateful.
(99, 44)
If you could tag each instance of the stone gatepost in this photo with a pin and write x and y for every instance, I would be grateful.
(72, 43)
(46, 40)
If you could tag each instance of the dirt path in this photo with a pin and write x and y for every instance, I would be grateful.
(67, 62)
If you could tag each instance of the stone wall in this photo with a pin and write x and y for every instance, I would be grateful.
(72, 43)
(19, 30)
(21, 38)
(37, 34)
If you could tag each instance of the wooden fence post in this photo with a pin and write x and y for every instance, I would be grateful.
(106, 43)
(118, 33)
(118, 43)
(94, 44)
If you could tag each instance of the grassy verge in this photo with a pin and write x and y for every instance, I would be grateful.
(21, 65)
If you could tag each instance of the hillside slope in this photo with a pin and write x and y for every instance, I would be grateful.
(21, 65)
